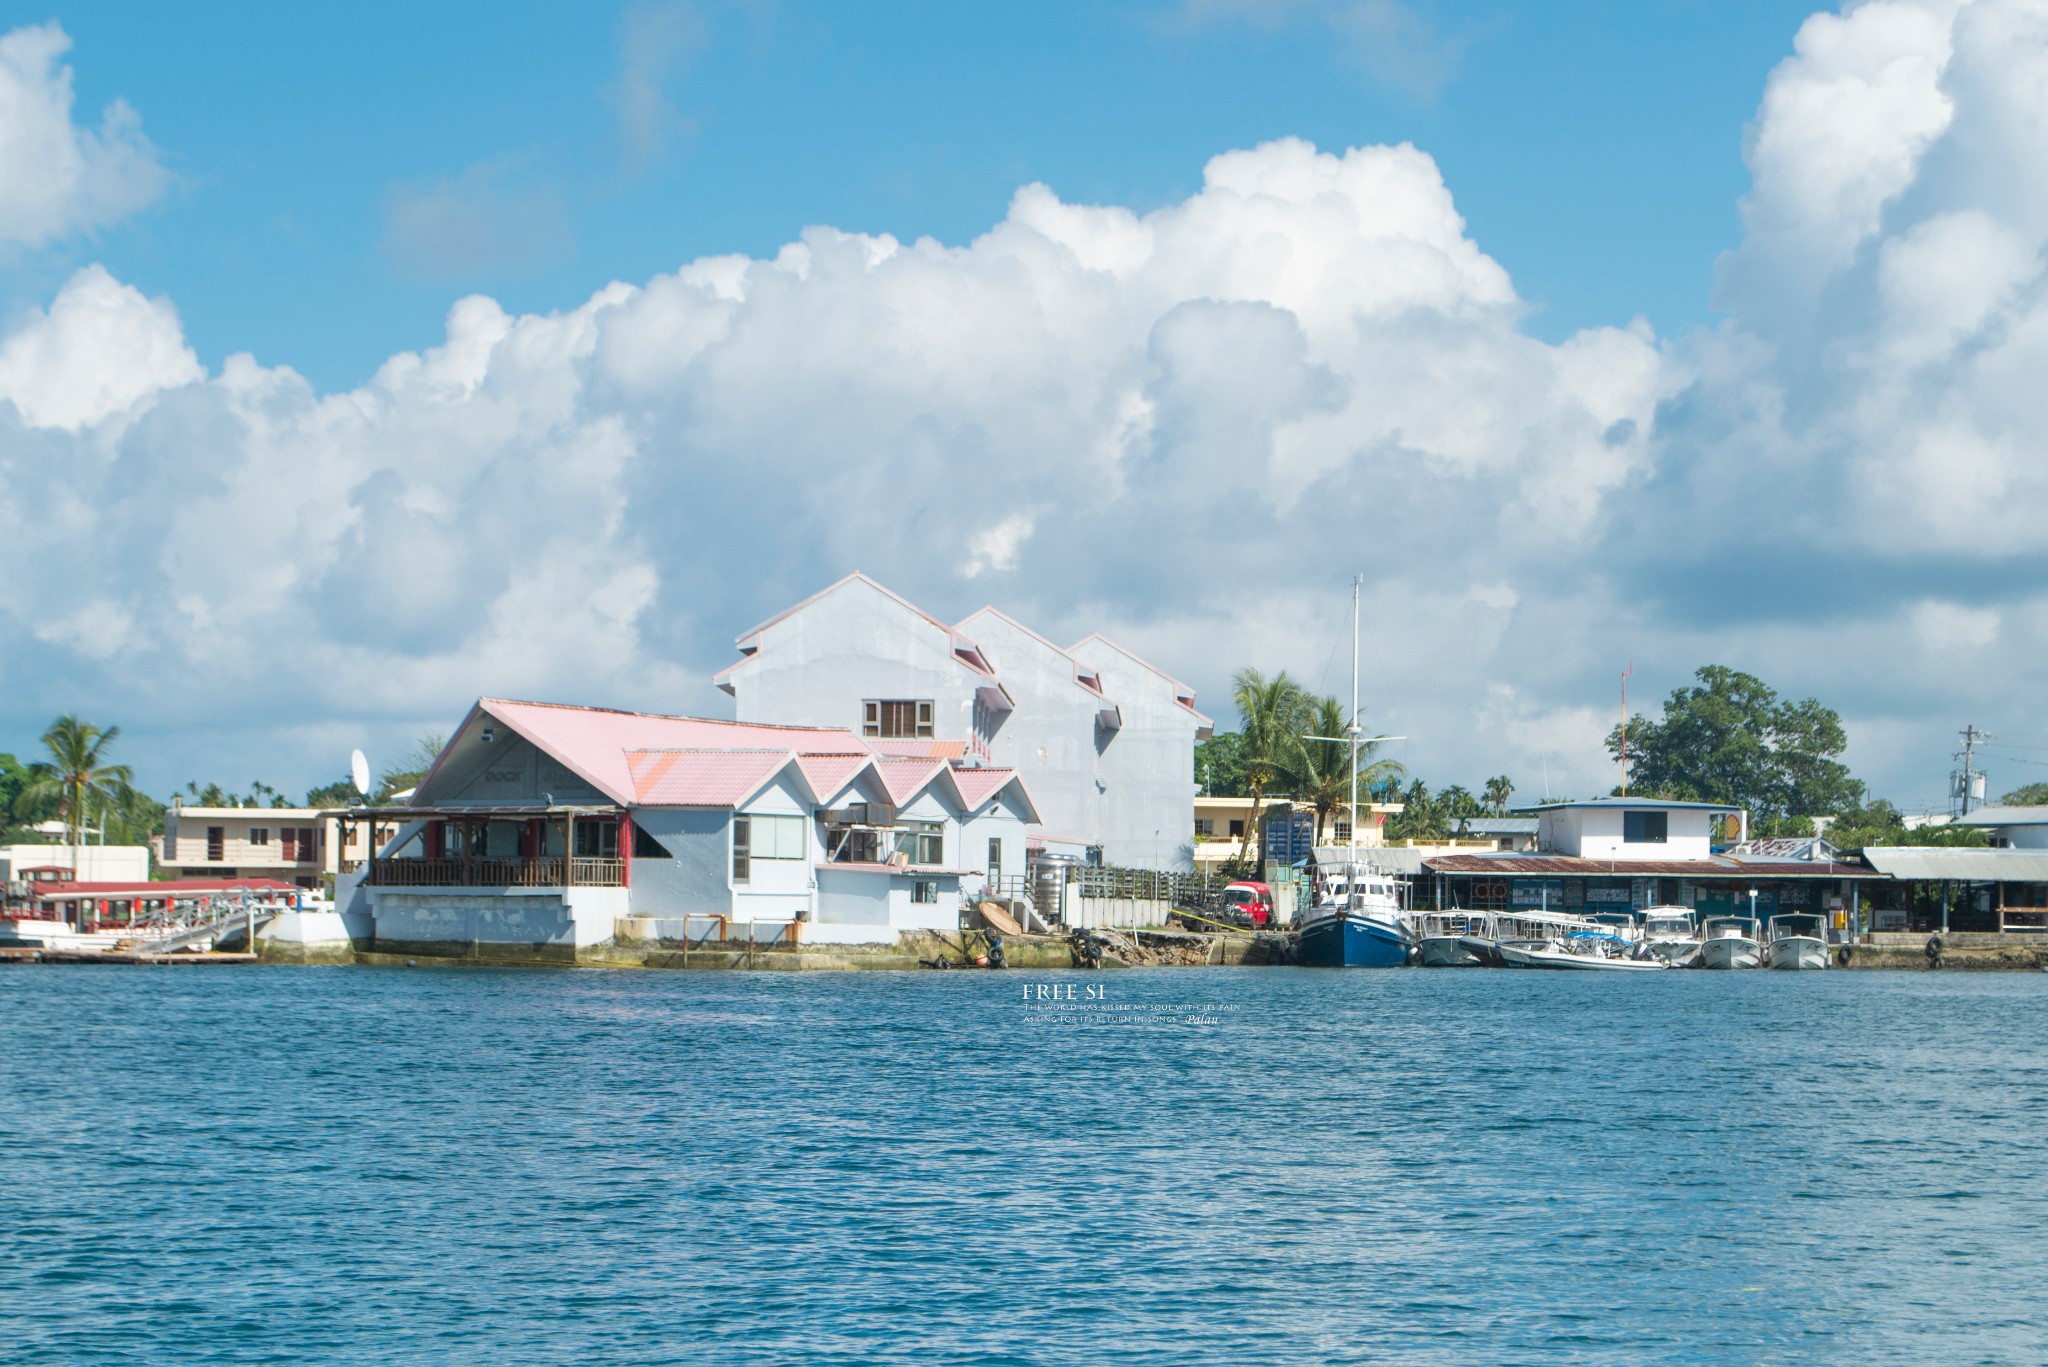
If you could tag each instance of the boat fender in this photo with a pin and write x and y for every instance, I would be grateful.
(1934, 948)
(1844, 954)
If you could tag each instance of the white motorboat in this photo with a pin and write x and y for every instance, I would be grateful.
(1453, 939)
(1598, 953)
(1668, 933)
(1730, 942)
(1796, 940)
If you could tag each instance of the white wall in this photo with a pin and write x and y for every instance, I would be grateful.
(91, 863)
(816, 667)
(696, 878)
(777, 889)
(1052, 738)
(1148, 769)
(1596, 833)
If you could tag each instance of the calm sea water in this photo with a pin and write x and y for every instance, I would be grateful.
(1216, 1166)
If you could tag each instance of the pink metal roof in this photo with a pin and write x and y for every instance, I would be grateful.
(979, 785)
(920, 749)
(906, 778)
(828, 775)
(594, 741)
(702, 778)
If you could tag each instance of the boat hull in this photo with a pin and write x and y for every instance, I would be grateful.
(1677, 953)
(1349, 940)
(1448, 951)
(1522, 956)
(1730, 952)
(1798, 951)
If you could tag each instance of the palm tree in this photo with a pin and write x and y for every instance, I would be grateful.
(1324, 779)
(77, 774)
(1271, 713)
(1498, 790)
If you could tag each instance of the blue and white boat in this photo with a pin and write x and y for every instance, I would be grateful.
(1363, 928)
(1360, 923)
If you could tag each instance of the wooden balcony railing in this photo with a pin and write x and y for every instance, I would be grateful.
(549, 872)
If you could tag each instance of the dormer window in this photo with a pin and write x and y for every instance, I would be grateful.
(897, 718)
(1645, 828)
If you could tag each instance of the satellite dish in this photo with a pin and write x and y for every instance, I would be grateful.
(359, 772)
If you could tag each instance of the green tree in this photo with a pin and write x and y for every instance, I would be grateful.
(1322, 777)
(78, 779)
(2033, 795)
(1219, 765)
(1878, 823)
(1422, 817)
(1730, 738)
(1498, 790)
(408, 772)
(1271, 719)
(340, 793)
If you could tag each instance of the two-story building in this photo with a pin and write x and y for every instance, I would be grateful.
(1629, 853)
(290, 844)
(545, 826)
(1105, 739)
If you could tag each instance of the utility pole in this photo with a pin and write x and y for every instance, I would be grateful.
(1971, 736)
(1624, 726)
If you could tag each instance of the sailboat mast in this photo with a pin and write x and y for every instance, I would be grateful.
(1352, 729)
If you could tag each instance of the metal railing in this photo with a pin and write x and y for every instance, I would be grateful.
(547, 872)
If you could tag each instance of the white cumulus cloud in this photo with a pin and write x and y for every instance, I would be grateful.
(57, 178)
(99, 349)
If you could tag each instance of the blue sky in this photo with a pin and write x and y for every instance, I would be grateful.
(1663, 332)
(1595, 149)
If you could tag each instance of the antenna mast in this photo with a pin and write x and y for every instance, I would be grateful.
(1624, 726)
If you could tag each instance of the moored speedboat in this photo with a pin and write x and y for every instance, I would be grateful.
(1453, 939)
(1796, 940)
(1582, 951)
(1668, 933)
(1730, 942)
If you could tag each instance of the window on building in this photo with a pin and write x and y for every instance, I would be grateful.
(259, 835)
(309, 844)
(1342, 833)
(776, 837)
(897, 718)
(995, 861)
(1237, 830)
(645, 846)
(597, 840)
(1645, 828)
(922, 842)
(1205, 825)
(742, 855)
(925, 892)
(216, 842)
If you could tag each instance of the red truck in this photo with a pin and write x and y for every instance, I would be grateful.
(1247, 903)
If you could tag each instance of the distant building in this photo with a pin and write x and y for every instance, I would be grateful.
(1506, 832)
(290, 844)
(89, 863)
(1220, 824)
(2010, 828)
(1625, 854)
(545, 826)
(1105, 740)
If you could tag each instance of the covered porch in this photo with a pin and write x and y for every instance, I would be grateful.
(493, 846)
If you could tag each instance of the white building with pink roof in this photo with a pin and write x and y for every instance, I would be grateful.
(548, 826)
(1105, 739)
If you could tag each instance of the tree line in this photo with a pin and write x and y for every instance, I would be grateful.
(1725, 738)
(78, 783)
